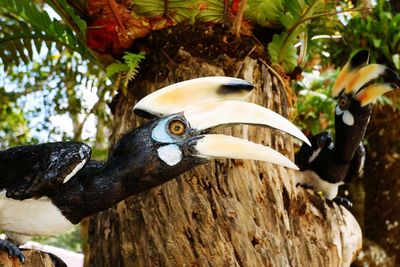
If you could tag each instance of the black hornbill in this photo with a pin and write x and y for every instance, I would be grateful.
(326, 164)
(49, 187)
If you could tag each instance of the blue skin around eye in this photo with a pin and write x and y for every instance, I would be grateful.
(160, 133)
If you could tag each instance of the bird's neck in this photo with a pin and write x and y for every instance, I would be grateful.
(349, 137)
(95, 189)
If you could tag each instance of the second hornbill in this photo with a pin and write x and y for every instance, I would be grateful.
(326, 164)
(47, 188)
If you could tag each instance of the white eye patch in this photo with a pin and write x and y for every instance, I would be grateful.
(170, 154)
(348, 118)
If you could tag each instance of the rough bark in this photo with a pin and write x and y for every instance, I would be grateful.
(33, 258)
(382, 183)
(227, 212)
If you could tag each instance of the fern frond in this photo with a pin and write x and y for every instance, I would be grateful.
(126, 71)
(115, 68)
(25, 27)
(133, 60)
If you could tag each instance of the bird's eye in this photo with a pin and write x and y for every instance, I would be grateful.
(176, 127)
(343, 103)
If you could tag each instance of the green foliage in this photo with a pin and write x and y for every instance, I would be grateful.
(175, 10)
(70, 240)
(45, 73)
(315, 106)
(214, 11)
(379, 32)
(26, 28)
(295, 21)
(127, 70)
(13, 125)
(264, 13)
(283, 52)
(68, 15)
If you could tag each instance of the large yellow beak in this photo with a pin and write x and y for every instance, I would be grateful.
(370, 93)
(209, 102)
(180, 96)
(349, 71)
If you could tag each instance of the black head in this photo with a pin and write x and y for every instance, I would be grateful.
(356, 89)
(180, 139)
(308, 155)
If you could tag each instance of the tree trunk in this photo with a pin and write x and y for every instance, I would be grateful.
(227, 212)
(33, 258)
(382, 183)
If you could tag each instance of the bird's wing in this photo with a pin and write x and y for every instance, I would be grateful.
(356, 168)
(36, 170)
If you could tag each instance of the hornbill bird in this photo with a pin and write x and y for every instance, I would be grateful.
(49, 187)
(326, 164)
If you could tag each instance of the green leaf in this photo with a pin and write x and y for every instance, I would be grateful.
(114, 68)
(175, 10)
(128, 69)
(283, 52)
(263, 12)
(211, 11)
(69, 15)
(396, 60)
(377, 42)
(133, 60)
(295, 8)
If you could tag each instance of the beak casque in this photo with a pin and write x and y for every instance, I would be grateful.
(209, 102)
(349, 71)
(356, 74)
(180, 96)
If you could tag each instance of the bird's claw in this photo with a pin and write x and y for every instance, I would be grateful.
(12, 250)
(343, 202)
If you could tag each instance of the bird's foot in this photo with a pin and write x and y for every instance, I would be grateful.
(343, 202)
(12, 250)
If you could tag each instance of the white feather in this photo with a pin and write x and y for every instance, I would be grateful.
(310, 178)
(170, 154)
(314, 155)
(74, 171)
(348, 118)
(31, 217)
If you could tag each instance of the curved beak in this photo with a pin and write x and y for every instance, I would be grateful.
(206, 116)
(213, 101)
(224, 146)
(368, 73)
(357, 73)
(349, 71)
(372, 92)
(364, 75)
(225, 112)
(180, 96)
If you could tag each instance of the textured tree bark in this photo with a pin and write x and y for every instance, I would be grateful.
(33, 258)
(227, 212)
(382, 183)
